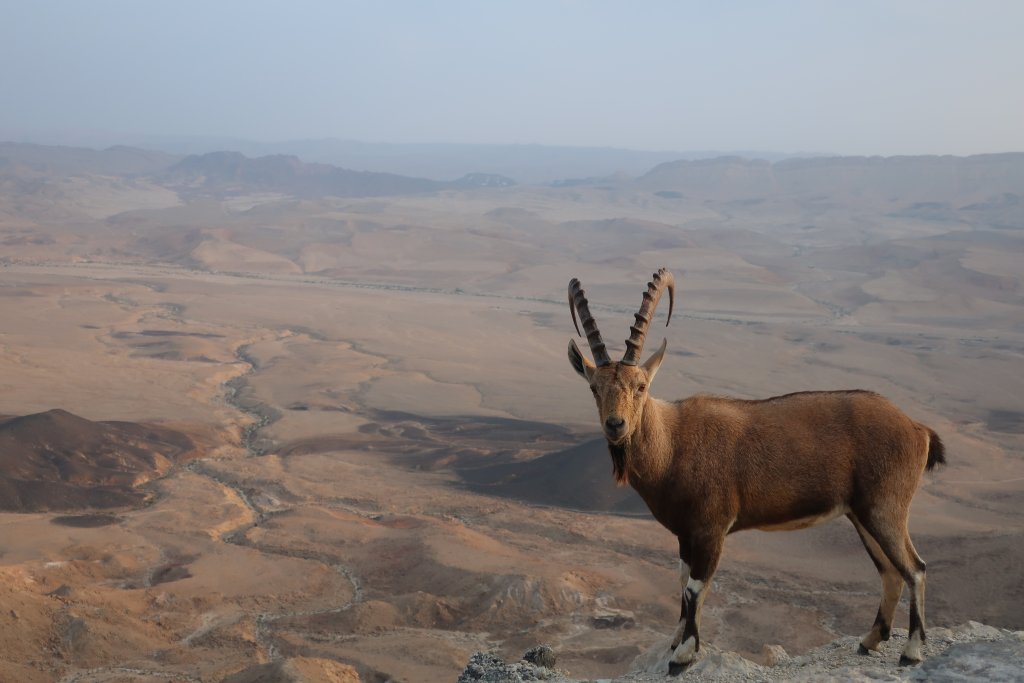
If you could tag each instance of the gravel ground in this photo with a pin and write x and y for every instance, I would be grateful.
(969, 652)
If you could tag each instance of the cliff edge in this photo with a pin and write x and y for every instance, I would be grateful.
(969, 652)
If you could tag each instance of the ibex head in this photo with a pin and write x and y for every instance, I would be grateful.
(620, 388)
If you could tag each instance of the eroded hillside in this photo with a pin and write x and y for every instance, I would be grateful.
(392, 462)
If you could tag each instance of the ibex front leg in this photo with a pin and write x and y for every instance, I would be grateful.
(698, 559)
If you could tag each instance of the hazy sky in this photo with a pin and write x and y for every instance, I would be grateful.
(849, 76)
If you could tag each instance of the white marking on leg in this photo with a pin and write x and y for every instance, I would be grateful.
(686, 651)
(684, 577)
(695, 594)
(913, 649)
(918, 594)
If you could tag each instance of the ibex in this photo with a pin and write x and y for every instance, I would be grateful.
(709, 466)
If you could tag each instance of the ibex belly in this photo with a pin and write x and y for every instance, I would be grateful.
(805, 522)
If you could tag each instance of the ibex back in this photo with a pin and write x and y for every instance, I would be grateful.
(708, 466)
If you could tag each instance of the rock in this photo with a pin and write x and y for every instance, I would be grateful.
(774, 655)
(961, 654)
(978, 631)
(613, 620)
(725, 666)
(653, 660)
(162, 600)
(487, 668)
(61, 591)
(72, 640)
(849, 674)
(542, 655)
(480, 667)
(981, 661)
(316, 670)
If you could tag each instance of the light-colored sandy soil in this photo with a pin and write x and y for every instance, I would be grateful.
(327, 351)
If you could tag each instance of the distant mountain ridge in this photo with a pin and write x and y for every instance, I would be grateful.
(119, 160)
(226, 172)
(920, 178)
(223, 172)
(984, 188)
(528, 163)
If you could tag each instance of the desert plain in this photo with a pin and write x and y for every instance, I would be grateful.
(359, 438)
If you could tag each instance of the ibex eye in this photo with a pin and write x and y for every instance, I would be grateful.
(642, 388)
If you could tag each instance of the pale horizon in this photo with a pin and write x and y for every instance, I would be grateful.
(804, 78)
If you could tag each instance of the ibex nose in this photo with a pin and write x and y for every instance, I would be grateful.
(614, 423)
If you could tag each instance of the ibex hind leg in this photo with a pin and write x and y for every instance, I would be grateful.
(894, 540)
(912, 653)
(892, 588)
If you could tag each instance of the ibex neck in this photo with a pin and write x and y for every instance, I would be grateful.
(646, 454)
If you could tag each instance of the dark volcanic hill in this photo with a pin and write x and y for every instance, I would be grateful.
(59, 461)
(578, 478)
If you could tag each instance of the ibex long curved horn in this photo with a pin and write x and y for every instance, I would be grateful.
(578, 302)
(638, 332)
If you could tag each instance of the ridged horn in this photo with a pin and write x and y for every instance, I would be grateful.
(578, 302)
(660, 281)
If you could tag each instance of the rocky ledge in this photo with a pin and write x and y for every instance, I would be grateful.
(969, 652)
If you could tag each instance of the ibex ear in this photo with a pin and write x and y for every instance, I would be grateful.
(652, 364)
(580, 364)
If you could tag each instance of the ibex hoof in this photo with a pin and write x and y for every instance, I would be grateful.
(861, 650)
(674, 668)
(907, 661)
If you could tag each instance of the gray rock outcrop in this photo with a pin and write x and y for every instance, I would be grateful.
(969, 652)
(484, 667)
